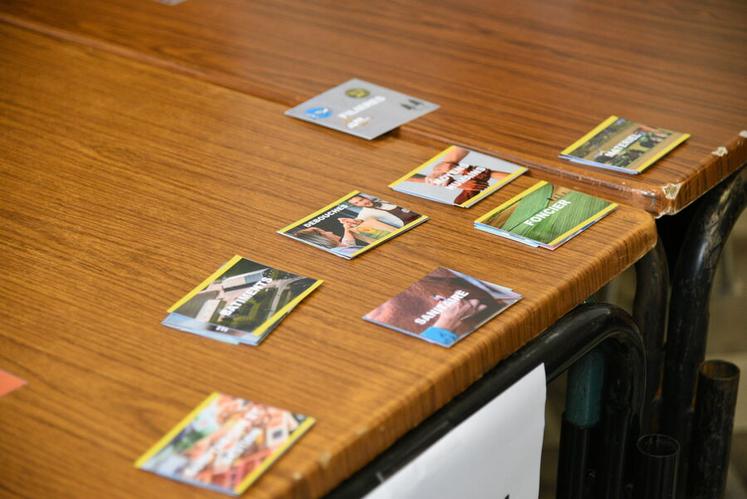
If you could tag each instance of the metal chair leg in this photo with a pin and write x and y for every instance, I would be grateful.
(688, 317)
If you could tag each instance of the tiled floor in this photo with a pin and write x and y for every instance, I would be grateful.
(727, 340)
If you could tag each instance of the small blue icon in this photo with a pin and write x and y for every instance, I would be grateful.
(318, 112)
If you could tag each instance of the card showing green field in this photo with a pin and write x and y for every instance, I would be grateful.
(242, 302)
(622, 145)
(544, 215)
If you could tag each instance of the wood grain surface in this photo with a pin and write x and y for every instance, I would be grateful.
(123, 185)
(519, 79)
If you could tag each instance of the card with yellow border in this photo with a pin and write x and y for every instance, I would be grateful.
(353, 224)
(623, 146)
(545, 215)
(458, 176)
(225, 444)
(241, 302)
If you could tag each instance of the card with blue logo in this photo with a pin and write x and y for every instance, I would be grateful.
(362, 109)
(443, 307)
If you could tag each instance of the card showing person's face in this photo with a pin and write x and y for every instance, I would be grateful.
(362, 109)
(353, 224)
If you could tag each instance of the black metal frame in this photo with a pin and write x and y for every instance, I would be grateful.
(631, 403)
(559, 347)
(650, 313)
(581, 440)
(709, 228)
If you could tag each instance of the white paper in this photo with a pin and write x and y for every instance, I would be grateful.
(495, 453)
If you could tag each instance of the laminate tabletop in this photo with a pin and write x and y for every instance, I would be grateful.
(521, 80)
(123, 185)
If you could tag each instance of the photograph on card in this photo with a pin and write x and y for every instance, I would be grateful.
(225, 444)
(458, 176)
(443, 307)
(241, 302)
(222, 333)
(545, 214)
(622, 145)
(353, 224)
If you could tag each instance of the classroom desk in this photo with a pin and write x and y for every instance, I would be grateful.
(521, 80)
(123, 185)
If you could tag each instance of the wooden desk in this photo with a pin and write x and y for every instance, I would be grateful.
(518, 79)
(123, 185)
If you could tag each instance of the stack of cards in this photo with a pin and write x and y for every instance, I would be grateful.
(241, 302)
(623, 146)
(225, 444)
(362, 109)
(458, 176)
(353, 224)
(443, 307)
(544, 215)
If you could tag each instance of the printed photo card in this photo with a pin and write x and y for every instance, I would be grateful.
(545, 215)
(225, 444)
(623, 146)
(242, 302)
(458, 176)
(353, 224)
(443, 307)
